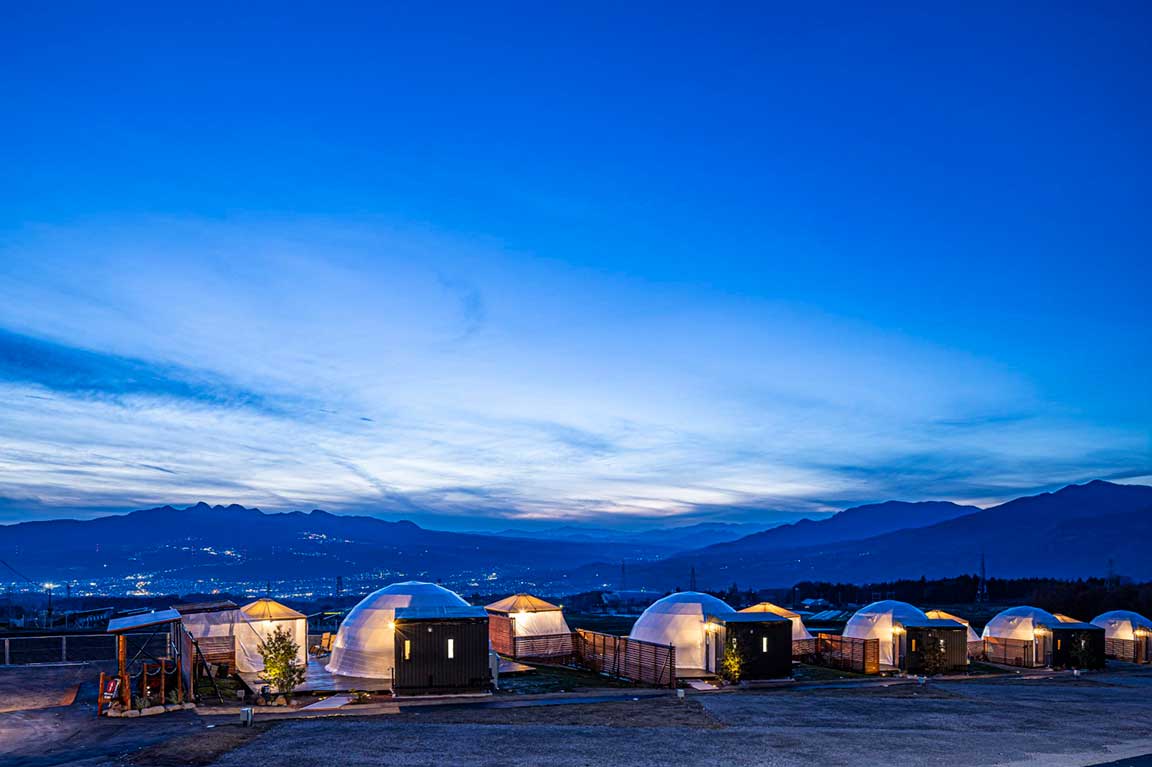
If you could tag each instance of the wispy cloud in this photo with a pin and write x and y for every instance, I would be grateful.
(82, 372)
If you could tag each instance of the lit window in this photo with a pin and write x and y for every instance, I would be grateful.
(407, 649)
(451, 648)
(764, 644)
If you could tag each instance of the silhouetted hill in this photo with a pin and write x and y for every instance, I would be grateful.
(1071, 533)
(234, 541)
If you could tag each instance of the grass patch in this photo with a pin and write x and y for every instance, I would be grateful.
(550, 679)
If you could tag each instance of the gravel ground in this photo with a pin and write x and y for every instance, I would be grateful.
(1059, 723)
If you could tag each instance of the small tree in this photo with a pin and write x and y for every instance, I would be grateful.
(281, 667)
(732, 664)
(933, 659)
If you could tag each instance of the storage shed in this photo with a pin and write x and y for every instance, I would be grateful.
(365, 644)
(933, 646)
(440, 650)
(975, 643)
(259, 620)
(1127, 635)
(762, 641)
(681, 620)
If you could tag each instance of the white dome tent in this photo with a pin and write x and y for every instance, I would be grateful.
(364, 645)
(680, 620)
(256, 622)
(1124, 624)
(884, 621)
(1019, 623)
(799, 631)
(531, 616)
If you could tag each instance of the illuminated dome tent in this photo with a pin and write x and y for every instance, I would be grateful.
(256, 622)
(365, 644)
(799, 632)
(1128, 635)
(1015, 633)
(884, 620)
(681, 620)
(531, 616)
(1123, 624)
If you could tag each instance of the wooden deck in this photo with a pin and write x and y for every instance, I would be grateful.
(319, 679)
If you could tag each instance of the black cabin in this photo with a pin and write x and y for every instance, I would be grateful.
(1076, 645)
(441, 650)
(934, 647)
(762, 640)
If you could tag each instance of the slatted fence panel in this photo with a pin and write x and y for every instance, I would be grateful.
(803, 648)
(848, 653)
(502, 634)
(1010, 652)
(556, 648)
(1130, 650)
(631, 659)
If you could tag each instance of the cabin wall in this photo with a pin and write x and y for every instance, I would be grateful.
(955, 649)
(1077, 648)
(765, 649)
(423, 665)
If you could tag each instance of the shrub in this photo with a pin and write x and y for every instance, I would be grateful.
(281, 666)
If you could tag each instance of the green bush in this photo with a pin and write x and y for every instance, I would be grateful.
(282, 669)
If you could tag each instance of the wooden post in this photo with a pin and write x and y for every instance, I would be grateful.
(100, 695)
(122, 658)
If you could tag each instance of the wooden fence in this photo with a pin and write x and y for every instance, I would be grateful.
(1010, 652)
(976, 649)
(552, 648)
(1130, 650)
(803, 648)
(625, 658)
(502, 635)
(848, 653)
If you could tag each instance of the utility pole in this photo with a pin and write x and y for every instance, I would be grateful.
(982, 586)
(623, 576)
(692, 579)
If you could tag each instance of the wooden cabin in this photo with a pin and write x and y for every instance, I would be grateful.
(441, 650)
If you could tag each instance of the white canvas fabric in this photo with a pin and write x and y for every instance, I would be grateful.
(941, 615)
(1122, 624)
(258, 621)
(799, 631)
(364, 645)
(876, 621)
(543, 623)
(210, 625)
(678, 620)
(1018, 623)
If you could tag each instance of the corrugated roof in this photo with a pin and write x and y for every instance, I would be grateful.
(936, 623)
(205, 607)
(1075, 626)
(521, 603)
(744, 617)
(143, 620)
(266, 609)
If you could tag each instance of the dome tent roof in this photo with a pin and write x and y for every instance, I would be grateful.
(941, 615)
(799, 631)
(1122, 624)
(1019, 623)
(364, 644)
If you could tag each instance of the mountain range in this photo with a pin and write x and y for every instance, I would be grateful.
(1074, 532)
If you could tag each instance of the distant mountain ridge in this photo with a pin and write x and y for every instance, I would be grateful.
(1070, 533)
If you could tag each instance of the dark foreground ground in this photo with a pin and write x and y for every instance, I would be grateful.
(1008, 720)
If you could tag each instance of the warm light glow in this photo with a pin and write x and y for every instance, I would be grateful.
(522, 614)
(391, 625)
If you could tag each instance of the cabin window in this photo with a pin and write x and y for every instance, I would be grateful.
(913, 645)
(451, 648)
(1059, 642)
(764, 644)
(407, 649)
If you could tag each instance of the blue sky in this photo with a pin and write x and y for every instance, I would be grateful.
(481, 266)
